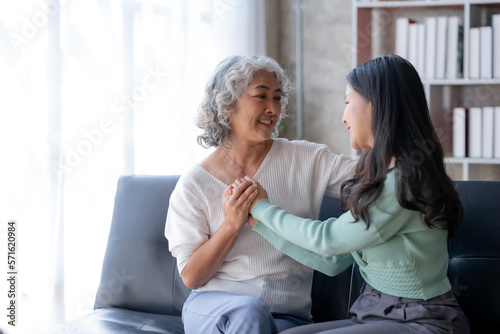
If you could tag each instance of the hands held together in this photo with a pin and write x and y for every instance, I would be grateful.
(239, 199)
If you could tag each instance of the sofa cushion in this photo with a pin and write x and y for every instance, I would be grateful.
(115, 320)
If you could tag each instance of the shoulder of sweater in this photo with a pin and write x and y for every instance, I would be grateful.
(299, 143)
(388, 196)
(194, 174)
(194, 180)
(390, 183)
(388, 200)
(303, 147)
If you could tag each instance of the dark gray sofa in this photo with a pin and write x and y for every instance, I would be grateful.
(141, 290)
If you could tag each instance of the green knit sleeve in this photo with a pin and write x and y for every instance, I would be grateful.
(337, 236)
(330, 266)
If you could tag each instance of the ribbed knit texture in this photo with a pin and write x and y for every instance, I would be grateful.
(398, 255)
(296, 176)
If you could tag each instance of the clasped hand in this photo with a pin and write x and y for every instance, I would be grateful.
(238, 201)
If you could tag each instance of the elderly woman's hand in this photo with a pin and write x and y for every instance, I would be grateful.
(236, 202)
(248, 182)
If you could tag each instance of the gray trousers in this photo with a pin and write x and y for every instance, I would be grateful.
(376, 312)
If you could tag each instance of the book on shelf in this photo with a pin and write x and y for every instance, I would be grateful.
(454, 48)
(475, 137)
(495, 23)
(413, 44)
(474, 53)
(421, 48)
(402, 30)
(430, 46)
(459, 132)
(435, 47)
(488, 123)
(496, 143)
(442, 32)
(486, 52)
(476, 132)
(416, 46)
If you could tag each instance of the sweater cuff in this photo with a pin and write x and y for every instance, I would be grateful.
(259, 207)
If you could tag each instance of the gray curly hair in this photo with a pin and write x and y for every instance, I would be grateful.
(230, 79)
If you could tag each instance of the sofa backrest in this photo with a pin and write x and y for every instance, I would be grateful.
(474, 265)
(138, 271)
(330, 295)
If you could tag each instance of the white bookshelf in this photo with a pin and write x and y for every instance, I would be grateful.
(467, 164)
(373, 35)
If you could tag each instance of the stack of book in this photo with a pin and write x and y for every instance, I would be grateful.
(476, 132)
(485, 50)
(436, 47)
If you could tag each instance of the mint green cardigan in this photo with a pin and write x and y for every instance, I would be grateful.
(398, 255)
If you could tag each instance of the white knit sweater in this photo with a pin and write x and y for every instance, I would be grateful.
(296, 176)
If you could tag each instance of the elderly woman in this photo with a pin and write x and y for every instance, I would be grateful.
(240, 282)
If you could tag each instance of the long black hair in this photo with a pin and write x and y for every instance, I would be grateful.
(402, 128)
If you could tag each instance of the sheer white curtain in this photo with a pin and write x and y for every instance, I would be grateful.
(91, 90)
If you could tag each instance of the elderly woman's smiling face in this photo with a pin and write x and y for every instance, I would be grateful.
(257, 110)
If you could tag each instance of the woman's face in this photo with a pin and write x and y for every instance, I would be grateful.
(358, 119)
(257, 110)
